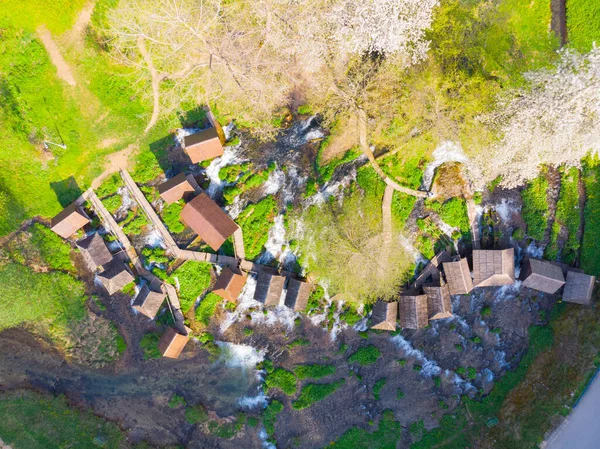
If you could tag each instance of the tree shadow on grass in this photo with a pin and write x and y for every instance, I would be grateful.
(66, 190)
(12, 212)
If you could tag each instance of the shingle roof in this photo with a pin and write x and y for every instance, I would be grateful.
(438, 300)
(542, 275)
(269, 287)
(297, 294)
(203, 145)
(115, 276)
(384, 316)
(431, 272)
(171, 343)
(413, 312)
(493, 267)
(69, 220)
(94, 251)
(208, 220)
(229, 285)
(175, 188)
(458, 277)
(148, 302)
(579, 288)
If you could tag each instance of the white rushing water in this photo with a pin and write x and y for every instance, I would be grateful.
(330, 189)
(430, 367)
(505, 209)
(181, 133)
(230, 157)
(250, 402)
(263, 436)
(153, 239)
(275, 242)
(239, 356)
(447, 151)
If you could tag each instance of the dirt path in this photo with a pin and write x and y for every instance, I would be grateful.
(63, 70)
(362, 130)
(76, 34)
(155, 84)
(115, 162)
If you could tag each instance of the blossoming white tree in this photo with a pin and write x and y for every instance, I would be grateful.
(556, 121)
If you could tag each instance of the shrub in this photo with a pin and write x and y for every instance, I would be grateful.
(109, 186)
(298, 342)
(313, 371)
(149, 344)
(476, 339)
(486, 311)
(170, 215)
(113, 203)
(312, 393)
(121, 344)
(385, 437)
(417, 368)
(155, 255)
(176, 401)
(377, 388)
(365, 355)
(270, 416)
(196, 414)
(135, 225)
(282, 379)
(402, 362)
(458, 347)
(518, 234)
(399, 394)
(471, 373)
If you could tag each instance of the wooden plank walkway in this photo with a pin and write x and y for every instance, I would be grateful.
(472, 213)
(143, 202)
(238, 244)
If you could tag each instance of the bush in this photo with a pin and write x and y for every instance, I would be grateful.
(170, 215)
(112, 203)
(385, 437)
(155, 255)
(196, 414)
(313, 371)
(109, 186)
(149, 344)
(486, 311)
(176, 401)
(377, 388)
(282, 379)
(312, 393)
(135, 225)
(270, 416)
(518, 234)
(365, 355)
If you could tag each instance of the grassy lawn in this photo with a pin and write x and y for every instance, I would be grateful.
(590, 256)
(35, 421)
(535, 207)
(366, 355)
(312, 393)
(583, 27)
(207, 308)
(385, 437)
(193, 278)
(281, 379)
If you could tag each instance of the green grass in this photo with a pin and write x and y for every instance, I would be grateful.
(155, 255)
(247, 181)
(176, 401)
(207, 307)
(227, 430)
(35, 421)
(57, 16)
(149, 345)
(583, 27)
(312, 393)
(112, 203)
(567, 217)
(377, 388)
(298, 342)
(170, 216)
(255, 221)
(590, 256)
(407, 171)
(385, 437)
(402, 206)
(53, 298)
(366, 355)
(326, 171)
(313, 371)
(193, 278)
(54, 252)
(231, 173)
(196, 414)
(135, 225)
(109, 186)
(281, 379)
(535, 207)
(454, 430)
(270, 416)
